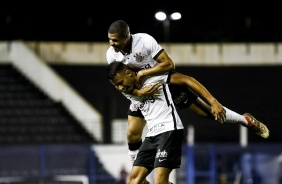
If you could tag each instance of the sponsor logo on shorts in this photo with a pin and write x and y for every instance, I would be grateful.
(181, 97)
(162, 155)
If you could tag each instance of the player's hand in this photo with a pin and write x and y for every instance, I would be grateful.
(140, 78)
(151, 89)
(218, 111)
(145, 182)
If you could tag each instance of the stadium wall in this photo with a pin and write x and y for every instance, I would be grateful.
(223, 54)
(244, 77)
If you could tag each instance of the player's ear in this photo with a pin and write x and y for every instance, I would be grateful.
(127, 36)
(128, 72)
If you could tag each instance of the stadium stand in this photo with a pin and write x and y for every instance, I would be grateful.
(42, 136)
(27, 115)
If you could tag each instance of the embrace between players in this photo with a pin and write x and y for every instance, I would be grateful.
(143, 71)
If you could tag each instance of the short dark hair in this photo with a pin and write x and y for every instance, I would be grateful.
(114, 68)
(119, 27)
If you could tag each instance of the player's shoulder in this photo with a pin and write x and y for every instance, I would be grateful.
(142, 36)
(156, 79)
(143, 39)
(110, 50)
(111, 55)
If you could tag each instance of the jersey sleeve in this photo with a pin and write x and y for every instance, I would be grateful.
(156, 79)
(109, 56)
(152, 46)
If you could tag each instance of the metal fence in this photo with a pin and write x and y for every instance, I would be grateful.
(59, 162)
(231, 164)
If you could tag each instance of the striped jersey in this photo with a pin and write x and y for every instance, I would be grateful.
(159, 111)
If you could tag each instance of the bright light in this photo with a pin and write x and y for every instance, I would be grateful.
(175, 16)
(160, 16)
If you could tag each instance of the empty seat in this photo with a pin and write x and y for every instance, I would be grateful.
(27, 115)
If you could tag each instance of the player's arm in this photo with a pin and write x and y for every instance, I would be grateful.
(148, 90)
(181, 79)
(165, 64)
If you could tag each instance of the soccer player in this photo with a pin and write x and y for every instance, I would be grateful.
(142, 53)
(161, 149)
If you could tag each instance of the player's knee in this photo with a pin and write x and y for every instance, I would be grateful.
(132, 180)
(160, 181)
(133, 138)
(129, 180)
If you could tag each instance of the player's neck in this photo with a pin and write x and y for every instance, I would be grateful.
(127, 48)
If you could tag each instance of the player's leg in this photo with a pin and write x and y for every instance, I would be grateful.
(136, 124)
(134, 135)
(169, 152)
(200, 108)
(185, 98)
(135, 129)
(144, 162)
(246, 120)
(137, 175)
(161, 175)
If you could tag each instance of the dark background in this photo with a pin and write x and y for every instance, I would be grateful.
(202, 21)
(242, 89)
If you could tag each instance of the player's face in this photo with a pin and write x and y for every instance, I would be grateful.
(118, 42)
(124, 82)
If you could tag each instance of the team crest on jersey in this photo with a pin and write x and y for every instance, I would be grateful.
(138, 57)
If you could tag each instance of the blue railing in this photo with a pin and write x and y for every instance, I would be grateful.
(229, 163)
(39, 162)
